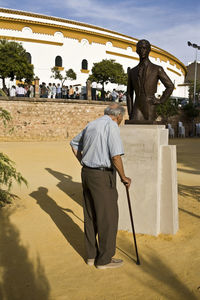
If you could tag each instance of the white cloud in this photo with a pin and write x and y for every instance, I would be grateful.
(174, 40)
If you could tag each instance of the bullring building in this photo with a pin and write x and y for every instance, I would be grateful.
(51, 41)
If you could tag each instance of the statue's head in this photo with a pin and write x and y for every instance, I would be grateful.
(143, 48)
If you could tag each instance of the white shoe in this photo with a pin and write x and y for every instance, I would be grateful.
(115, 263)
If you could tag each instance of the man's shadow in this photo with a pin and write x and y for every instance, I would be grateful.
(70, 230)
(71, 188)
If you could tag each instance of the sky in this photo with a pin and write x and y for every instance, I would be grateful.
(168, 24)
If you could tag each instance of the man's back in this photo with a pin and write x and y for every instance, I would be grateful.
(100, 139)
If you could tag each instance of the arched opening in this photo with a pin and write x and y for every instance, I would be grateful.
(84, 64)
(58, 61)
(28, 57)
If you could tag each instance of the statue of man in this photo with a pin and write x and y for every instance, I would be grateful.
(143, 80)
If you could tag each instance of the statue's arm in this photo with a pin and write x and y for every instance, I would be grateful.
(129, 98)
(167, 83)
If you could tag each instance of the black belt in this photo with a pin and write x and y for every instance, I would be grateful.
(100, 168)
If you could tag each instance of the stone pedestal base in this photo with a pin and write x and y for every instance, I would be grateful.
(151, 164)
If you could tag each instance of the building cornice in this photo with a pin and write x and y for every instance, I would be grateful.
(20, 39)
(79, 34)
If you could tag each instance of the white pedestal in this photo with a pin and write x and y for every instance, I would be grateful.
(151, 164)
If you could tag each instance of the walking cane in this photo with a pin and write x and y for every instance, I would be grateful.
(131, 217)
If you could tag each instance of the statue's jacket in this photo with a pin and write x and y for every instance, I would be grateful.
(153, 73)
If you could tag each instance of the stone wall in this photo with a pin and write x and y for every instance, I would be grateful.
(39, 119)
(48, 119)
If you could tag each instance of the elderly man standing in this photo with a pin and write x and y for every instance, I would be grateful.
(99, 148)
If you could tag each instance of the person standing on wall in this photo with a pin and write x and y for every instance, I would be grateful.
(99, 148)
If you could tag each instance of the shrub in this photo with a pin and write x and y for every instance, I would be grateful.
(8, 172)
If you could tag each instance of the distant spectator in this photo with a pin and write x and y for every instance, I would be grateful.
(44, 91)
(31, 89)
(54, 91)
(94, 88)
(26, 88)
(58, 91)
(124, 97)
(67, 89)
(83, 92)
(50, 90)
(107, 96)
(76, 93)
(64, 92)
(114, 95)
(71, 92)
(20, 91)
(13, 91)
(99, 95)
(120, 96)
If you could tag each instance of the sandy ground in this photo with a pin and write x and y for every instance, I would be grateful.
(41, 235)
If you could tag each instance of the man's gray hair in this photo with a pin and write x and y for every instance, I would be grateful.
(114, 109)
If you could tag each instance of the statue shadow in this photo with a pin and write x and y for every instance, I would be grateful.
(20, 279)
(68, 186)
(70, 230)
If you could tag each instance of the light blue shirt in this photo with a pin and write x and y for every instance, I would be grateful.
(99, 142)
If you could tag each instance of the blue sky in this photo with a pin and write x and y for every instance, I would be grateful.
(166, 24)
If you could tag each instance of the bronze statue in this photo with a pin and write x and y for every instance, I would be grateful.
(143, 80)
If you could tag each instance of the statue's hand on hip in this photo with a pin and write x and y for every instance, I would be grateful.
(155, 101)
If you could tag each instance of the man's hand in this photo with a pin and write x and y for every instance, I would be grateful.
(126, 181)
(117, 162)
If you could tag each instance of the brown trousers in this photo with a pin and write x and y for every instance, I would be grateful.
(100, 214)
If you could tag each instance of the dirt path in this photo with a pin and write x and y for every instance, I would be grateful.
(41, 237)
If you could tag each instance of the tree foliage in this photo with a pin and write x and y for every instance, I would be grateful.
(190, 111)
(191, 88)
(108, 71)
(8, 172)
(57, 74)
(14, 62)
(167, 109)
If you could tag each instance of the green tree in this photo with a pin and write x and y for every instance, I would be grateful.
(166, 110)
(14, 62)
(57, 74)
(108, 71)
(191, 112)
(8, 172)
(191, 88)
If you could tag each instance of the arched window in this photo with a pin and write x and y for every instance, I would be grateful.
(84, 64)
(28, 56)
(58, 61)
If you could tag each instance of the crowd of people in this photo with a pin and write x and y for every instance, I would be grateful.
(53, 91)
(21, 90)
(57, 91)
(114, 96)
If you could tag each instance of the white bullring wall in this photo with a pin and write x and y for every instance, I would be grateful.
(89, 42)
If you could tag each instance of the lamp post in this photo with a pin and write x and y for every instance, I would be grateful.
(195, 70)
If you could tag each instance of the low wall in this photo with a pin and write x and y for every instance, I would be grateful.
(36, 119)
(48, 119)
